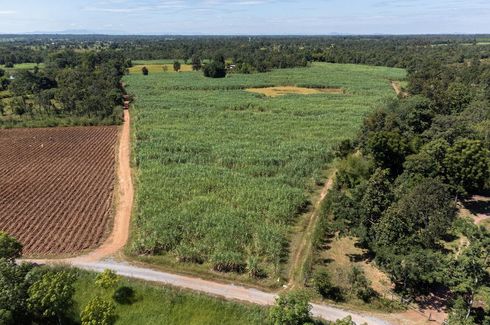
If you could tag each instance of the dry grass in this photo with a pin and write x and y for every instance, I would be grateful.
(343, 255)
(285, 90)
(158, 68)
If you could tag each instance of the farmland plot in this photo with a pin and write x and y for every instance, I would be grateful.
(223, 173)
(56, 187)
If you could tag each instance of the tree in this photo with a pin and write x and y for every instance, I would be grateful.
(377, 198)
(292, 308)
(52, 295)
(165, 68)
(360, 285)
(215, 70)
(467, 165)
(177, 66)
(10, 248)
(388, 149)
(196, 63)
(107, 279)
(467, 274)
(98, 312)
(422, 215)
(123, 295)
(323, 284)
(145, 71)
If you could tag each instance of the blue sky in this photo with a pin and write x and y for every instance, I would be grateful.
(247, 16)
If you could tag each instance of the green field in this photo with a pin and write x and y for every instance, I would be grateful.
(222, 174)
(158, 305)
(22, 66)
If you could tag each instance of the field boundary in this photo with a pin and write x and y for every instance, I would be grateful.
(302, 252)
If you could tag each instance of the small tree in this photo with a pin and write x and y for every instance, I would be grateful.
(215, 70)
(165, 68)
(360, 285)
(145, 71)
(52, 295)
(10, 248)
(196, 63)
(107, 279)
(177, 66)
(322, 282)
(98, 312)
(292, 308)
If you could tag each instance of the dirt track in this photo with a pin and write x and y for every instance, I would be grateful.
(101, 258)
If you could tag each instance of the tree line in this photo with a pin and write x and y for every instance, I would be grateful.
(400, 180)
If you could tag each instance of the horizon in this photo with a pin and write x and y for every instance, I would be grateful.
(246, 17)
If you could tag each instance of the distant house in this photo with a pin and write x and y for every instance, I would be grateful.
(11, 77)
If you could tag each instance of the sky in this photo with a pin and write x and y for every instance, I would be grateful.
(249, 17)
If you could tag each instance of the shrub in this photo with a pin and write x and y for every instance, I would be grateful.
(98, 312)
(10, 248)
(145, 71)
(291, 308)
(107, 279)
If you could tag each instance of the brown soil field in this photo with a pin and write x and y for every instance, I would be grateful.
(56, 189)
(284, 90)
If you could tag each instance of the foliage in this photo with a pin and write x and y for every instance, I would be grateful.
(10, 248)
(388, 149)
(51, 296)
(215, 70)
(291, 308)
(145, 71)
(360, 285)
(177, 66)
(467, 164)
(98, 312)
(107, 279)
(249, 177)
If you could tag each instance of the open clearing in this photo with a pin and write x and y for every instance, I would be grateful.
(56, 189)
(222, 174)
(285, 90)
(158, 68)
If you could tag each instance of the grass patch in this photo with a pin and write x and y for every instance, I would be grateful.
(164, 305)
(158, 68)
(222, 174)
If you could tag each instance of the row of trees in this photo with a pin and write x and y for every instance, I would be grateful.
(398, 182)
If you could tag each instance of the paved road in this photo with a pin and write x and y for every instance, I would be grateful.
(228, 291)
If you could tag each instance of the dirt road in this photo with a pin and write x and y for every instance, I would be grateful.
(228, 291)
(101, 258)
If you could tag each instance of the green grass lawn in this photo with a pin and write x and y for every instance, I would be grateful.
(21, 66)
(159, 305)
(222, 174)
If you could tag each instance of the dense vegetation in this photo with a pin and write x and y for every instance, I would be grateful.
(71, 88)
(223, 173)
(399, 180)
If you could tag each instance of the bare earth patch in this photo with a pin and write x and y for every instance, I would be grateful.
(56, 189)
(285, 90)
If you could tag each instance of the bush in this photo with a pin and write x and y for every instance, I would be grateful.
(291, 308)
(10, 248)
(107, 279)
(124, 295)
(9, 65)
(144, 70)
(98, 312)
(324, 286)
(360, 285)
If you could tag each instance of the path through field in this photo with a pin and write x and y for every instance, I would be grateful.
(102, 257)
(398, 89)
(302, 252)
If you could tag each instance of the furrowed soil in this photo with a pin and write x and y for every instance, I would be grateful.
(56, 189)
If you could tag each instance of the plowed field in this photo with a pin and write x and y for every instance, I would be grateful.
(56, 187)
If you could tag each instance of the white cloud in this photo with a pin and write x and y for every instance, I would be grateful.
(7, 12)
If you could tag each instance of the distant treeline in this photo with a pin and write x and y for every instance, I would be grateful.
(258, 53)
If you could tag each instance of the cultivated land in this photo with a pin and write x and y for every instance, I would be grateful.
(222, 173)
(56, 189)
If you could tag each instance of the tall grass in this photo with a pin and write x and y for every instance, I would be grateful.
(222, 173)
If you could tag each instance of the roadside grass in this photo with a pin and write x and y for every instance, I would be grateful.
(223, 174)
(158, 305)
